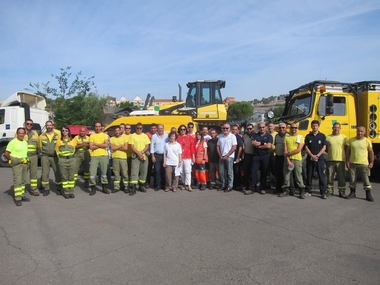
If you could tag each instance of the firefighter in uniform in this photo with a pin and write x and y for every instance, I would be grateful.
(139, 143)
(17, 154)
(119, 147)
(65, 149)
(46, 144)
(82, 155)
(31, 137)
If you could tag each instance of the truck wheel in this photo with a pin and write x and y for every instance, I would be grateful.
(3, 159)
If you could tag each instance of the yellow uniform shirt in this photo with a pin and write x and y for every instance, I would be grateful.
(292, 143)
(335, 147)
(61, 150)
(118, 141)
(129, 151)
(99, 139)
(139, 141)
(79, 140)
(359, 150)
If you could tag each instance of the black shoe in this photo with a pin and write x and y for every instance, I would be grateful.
(60, 192)
(142, 188)
(342, 195)
(66, 196)
(352, 194)
(203, 187)
(133, 190)
(46, 193)
(156, 188)
(25, 199)
(92, 191)
(368, 196)
(291, 193)
(284, 194)
(114, 190)
(222, 188)
(72, 196)
(18, 203)
(302, 193)
(104, 189)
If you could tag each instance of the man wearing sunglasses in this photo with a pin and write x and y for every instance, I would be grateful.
(226, 147)
(139, 143)
(279, 157)
(262, 143)
(293, 145)
(31, 137)
(46, 144)
(248, 152)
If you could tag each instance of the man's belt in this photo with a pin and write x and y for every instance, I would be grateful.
(49, 155)
(261, 154)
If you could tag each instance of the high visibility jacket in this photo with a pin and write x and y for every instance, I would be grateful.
(65, 148)
(79, 140)
(46, 146)
(201, 152)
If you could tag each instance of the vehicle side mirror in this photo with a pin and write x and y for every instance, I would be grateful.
(330, 104)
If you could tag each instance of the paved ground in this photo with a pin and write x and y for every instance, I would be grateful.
(203, 237)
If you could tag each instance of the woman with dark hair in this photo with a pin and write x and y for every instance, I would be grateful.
(172, 162)
(188, 151)
(201, 159)
(65, 149)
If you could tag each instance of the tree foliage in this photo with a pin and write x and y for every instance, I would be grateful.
(72, 102)
(128, 104)
(239, 111)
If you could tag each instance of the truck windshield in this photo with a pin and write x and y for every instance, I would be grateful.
(299, 105)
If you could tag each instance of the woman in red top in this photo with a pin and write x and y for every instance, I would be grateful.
(201, 159)
(188, 158)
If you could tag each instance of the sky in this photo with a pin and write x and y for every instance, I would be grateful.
(260, 48)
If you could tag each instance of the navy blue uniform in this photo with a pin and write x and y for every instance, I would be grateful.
(315, 143)
(260, 161)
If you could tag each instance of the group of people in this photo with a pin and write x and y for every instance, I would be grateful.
(224, 161)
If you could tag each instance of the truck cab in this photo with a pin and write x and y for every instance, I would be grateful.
(325, 101)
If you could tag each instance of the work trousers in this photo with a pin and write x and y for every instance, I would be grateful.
(159, 171)
(19, 177)
(186, 171)
(297, 171)
(237, 175)
(120, 171)
(200, 173)
(170, 178)
(360, 170)
(67, 169)
(279, 171)
(247, 168)
(320, 167)
(338, 168)
(149, 169)
(32, 168)
(259, 162)
(103, 162)
(46, 163)
(227, 179)
(213, 172)
(82, 158)
(139, 170)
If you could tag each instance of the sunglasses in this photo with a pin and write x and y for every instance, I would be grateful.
(139, 128)
(182, 129)
(249, 129)
(282, 127)
(65, 131)
(127, 128)
(293, 127)
(226, 128)
(29, 124)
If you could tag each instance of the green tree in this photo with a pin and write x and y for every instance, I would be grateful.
(239, 111)
(72, 101)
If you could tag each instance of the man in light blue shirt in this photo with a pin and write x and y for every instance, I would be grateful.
(157, 148)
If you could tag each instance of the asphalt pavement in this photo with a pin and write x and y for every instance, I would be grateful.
(203, 237)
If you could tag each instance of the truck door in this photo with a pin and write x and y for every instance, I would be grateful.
(341, 114)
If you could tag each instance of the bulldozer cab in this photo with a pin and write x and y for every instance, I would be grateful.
(204, 101)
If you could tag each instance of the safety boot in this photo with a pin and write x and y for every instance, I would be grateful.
(302, 193)
(142, 188)
(368, 196)
(46, 193)
(127, 189)
(132, 191)
(18, 203)
(104, 189)
(285, 193)
(342, 193)
(352, 194)
(92, 190)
